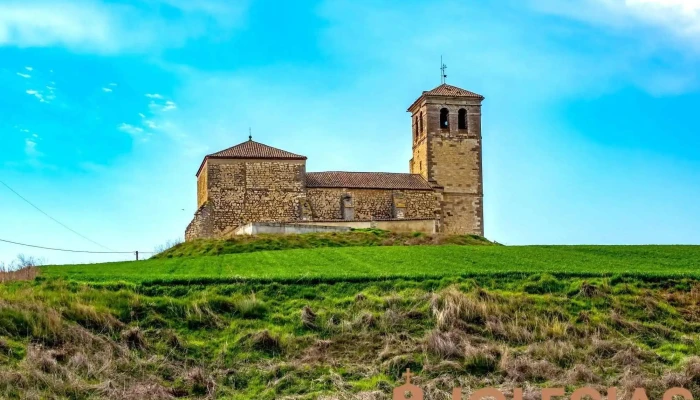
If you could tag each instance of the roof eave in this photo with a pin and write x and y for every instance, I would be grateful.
(426, 95)
(300, 158)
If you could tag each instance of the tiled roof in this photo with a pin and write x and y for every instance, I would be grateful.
(449, 90)
(366, 180)
(253, 150)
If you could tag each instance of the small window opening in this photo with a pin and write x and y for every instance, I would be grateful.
(462, 118)
(415, 128)
(420, 126)
(444, 118)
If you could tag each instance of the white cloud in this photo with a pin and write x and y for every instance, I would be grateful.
(169, 105)
(150, 124)
(106, 90)
(101, 27)
(36, 94)
(30, 148)
(142, 115)
(112, 84)
(154, 96)
(24, 75)
(130, 129)
(678, 17)
(71, 24)
(29, 68)
(681, 17)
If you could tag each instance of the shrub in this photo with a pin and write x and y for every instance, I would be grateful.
(265, 342)
(444, 344)
(308, 317)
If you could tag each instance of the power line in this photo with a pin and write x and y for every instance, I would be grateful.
(52, 218)
(74, 251)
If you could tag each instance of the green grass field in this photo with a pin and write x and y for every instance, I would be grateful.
(340, 317)
(414, 262)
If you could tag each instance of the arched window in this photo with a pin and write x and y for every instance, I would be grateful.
(420, 126)
(415, 129)
(462, 118)
(444, 118)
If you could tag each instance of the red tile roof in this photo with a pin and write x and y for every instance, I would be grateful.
(366, 180)
(448, 91)
(253, 150)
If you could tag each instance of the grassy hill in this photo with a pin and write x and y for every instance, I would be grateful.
(414, 262)
(344, 322)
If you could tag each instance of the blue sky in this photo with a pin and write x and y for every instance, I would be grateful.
(107, 108)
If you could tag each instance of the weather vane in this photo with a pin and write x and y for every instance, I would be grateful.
(443, 67)
(250, 134)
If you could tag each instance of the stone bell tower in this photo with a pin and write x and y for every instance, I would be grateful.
(447, 152)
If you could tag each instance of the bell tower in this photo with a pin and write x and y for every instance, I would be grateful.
(446, 124)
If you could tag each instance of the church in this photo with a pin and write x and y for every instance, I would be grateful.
(253, 183)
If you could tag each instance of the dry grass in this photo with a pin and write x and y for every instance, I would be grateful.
(88, 343)
(22, 274)
(454, 309)
(446, 345)
(308, 317)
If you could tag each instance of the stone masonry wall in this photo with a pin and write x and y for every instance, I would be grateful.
(370, 203)
(454, 160)
(243, 191)
(419, 162)
(202, 194)
(202, 224)
(462, 213)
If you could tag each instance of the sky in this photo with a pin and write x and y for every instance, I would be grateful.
(590, 123)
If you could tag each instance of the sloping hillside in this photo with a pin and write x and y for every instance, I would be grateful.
(344, 323)
(410, 262)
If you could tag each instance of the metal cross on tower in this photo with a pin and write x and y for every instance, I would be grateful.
(443, 67)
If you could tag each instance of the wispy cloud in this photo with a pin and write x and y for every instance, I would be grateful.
(151, 124)
(102, 27)
(29, 68)
(154, 96)
(169, 105)
(107, 90)
(36, 94)
(131, 129)
(30, 148)
(26, 76)
(681, 18)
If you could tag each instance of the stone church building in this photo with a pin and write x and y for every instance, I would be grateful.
(442, 192)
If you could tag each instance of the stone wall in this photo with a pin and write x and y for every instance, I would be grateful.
(202, 225)
(370, 203)
(244, 191)
(462, 213)
(202, 194)
(395, 225)
(419, 162)
(454, 162)
(274, 228)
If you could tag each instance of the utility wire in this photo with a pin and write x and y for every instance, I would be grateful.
(52, 218)
(73, 251)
